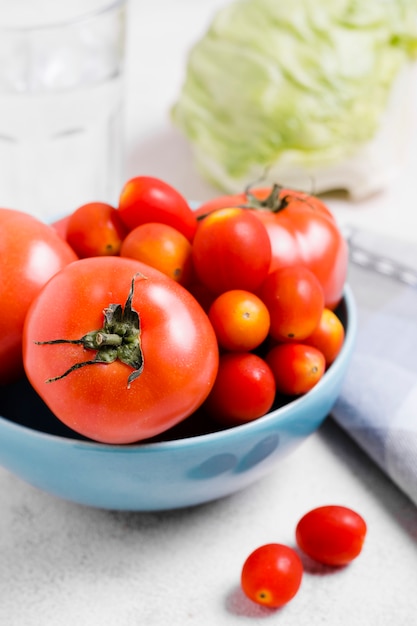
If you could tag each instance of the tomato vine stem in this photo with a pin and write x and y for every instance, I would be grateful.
(273, 202)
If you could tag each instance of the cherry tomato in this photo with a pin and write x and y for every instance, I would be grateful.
(301, 229)
(295, 301)
(148, 199)
(272, 575)
(152, 362)
(231, 250)
(244, 389)
(30, 253)
(95, 229)
(328, 337)
(332, 534)
(240, 320)
(162, 247)
(297, 368)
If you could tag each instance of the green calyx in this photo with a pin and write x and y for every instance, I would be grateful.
(273, 202)
(119, 338)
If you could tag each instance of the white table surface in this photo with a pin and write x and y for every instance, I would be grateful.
(63, 565)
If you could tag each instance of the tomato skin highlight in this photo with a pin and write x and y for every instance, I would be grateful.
(231, 250)
(178, 342)
(271, 575)
(31, 252)
(148, 199)
(304, 231)
(333, 535)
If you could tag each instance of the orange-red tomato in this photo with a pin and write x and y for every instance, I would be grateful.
(301, 229)
(95, 229)
(163, 247)
(297, 368)
(149, 199)
(244, 389)
(331, 534)
(231, 250)
(295, 301)
(272, 575)
(31, 252)
(61, 225)
(117, 350)
(328, 336)
(240, 320)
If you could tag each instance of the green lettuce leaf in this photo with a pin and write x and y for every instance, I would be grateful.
(305, 82)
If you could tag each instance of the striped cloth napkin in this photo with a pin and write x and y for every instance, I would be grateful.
(378, 402)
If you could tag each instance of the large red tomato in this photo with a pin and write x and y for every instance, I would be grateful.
(301, 229)
(152, 363)
(30, 253)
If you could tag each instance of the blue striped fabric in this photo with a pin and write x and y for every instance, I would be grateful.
(378, 403)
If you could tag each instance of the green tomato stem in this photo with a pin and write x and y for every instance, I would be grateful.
(118, 339)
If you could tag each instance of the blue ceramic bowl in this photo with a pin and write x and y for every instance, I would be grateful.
(191, 464)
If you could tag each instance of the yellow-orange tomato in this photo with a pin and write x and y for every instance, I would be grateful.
(161, 246)
(328, 337)
(240, 320)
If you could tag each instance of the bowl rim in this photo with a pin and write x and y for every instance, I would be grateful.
(224, 434)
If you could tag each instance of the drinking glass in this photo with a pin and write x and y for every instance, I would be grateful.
(61, 104)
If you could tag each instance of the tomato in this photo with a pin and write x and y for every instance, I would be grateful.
(244, 389)
(162, 247)
(148, 199)
(60, 226)
(201, 293)
(240, 320)
(301, 229)
(271, 575)
(328, 337)
(297, 368)
(332, 534)
(231, 250)
(30, 253)
(95, 229)
(295, 301)
(152, 363)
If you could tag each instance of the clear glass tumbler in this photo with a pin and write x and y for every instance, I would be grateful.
(61, 104)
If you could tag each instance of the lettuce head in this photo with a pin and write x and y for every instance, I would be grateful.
(298, 91)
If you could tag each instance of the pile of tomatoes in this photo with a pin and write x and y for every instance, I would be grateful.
(240, 312)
